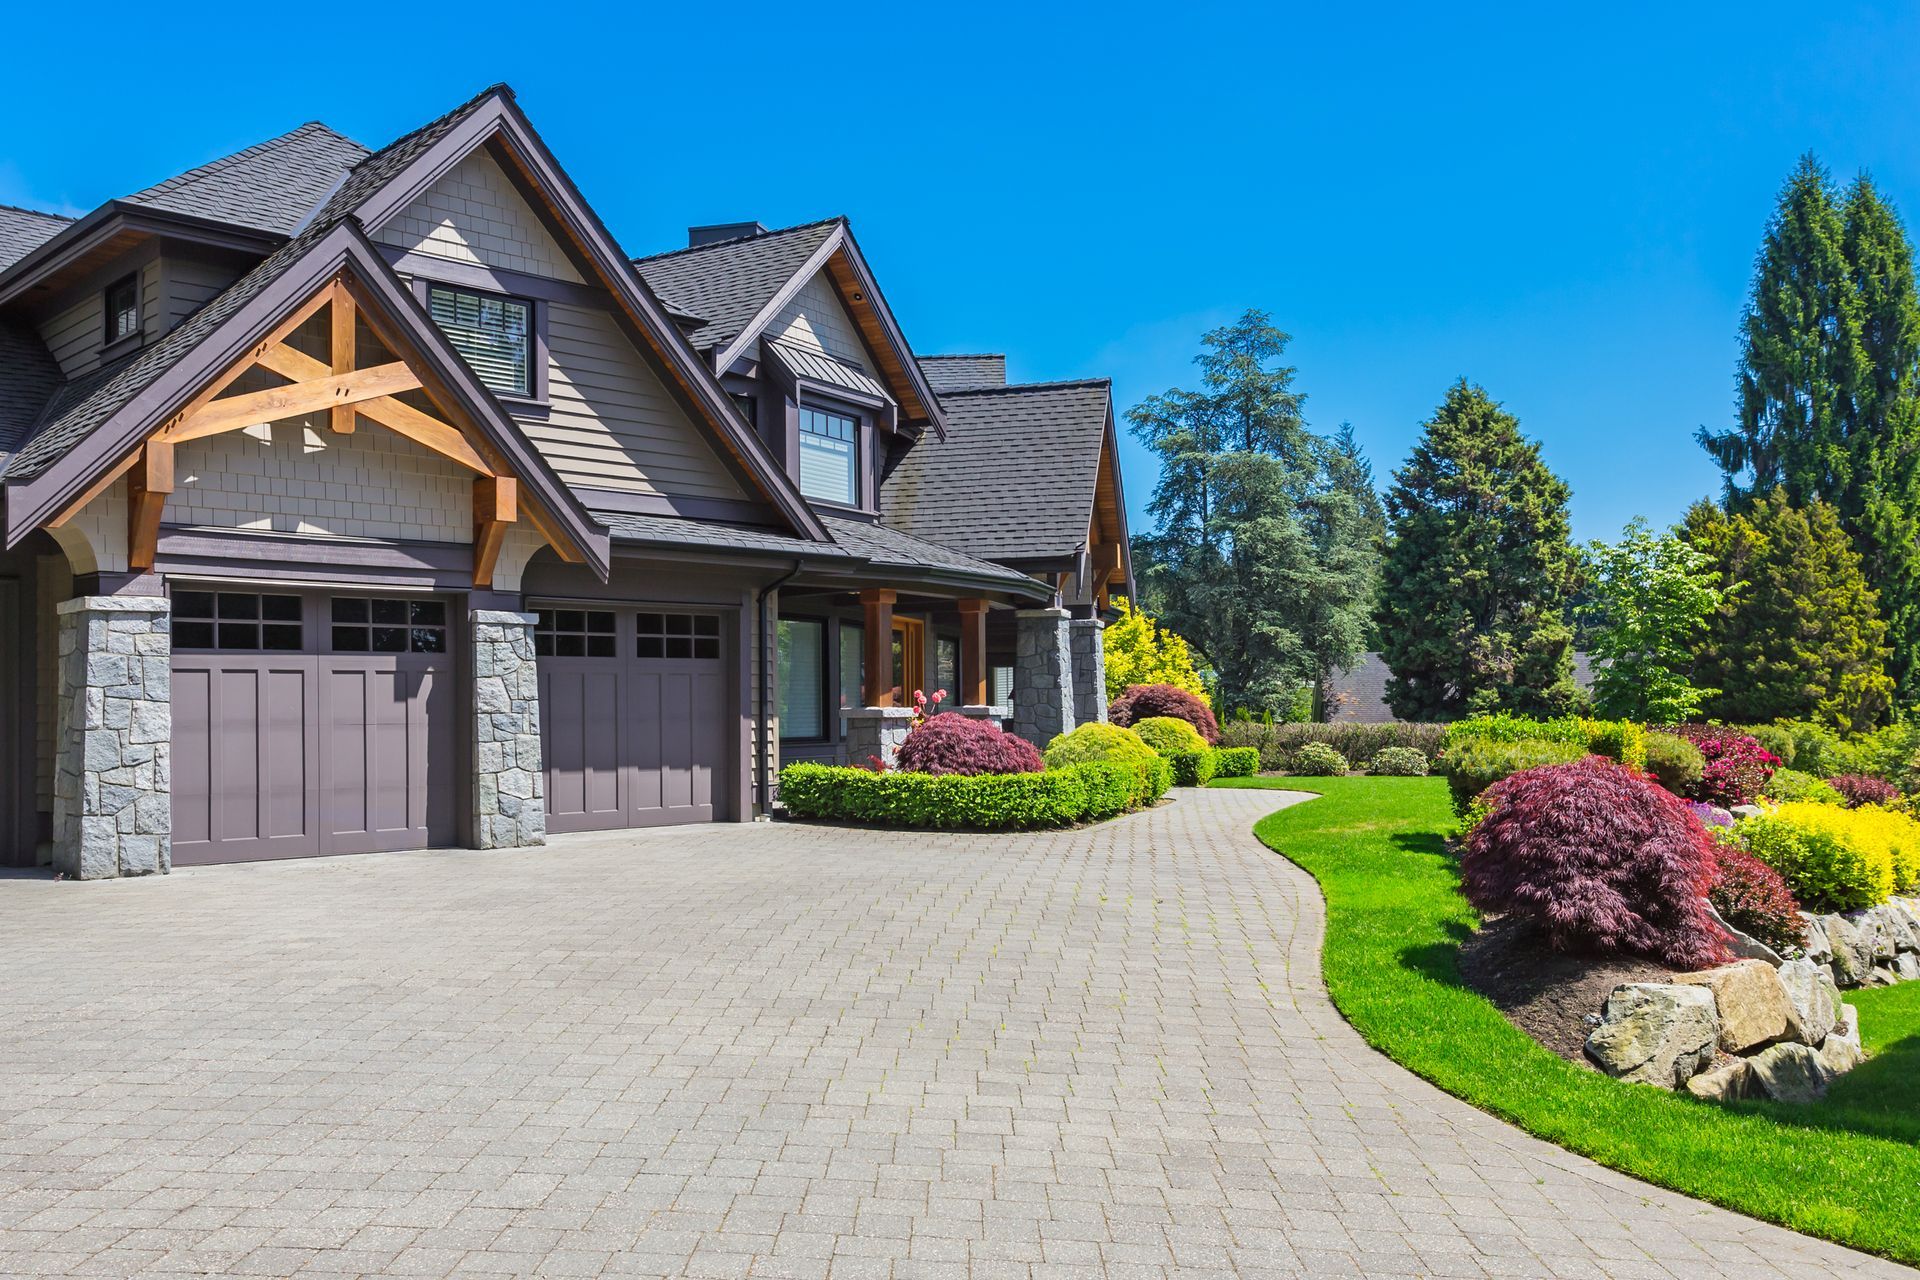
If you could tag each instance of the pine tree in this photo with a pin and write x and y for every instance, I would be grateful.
(1880, 506)
(1479, 571)
(1799, 634)
(1262, 558)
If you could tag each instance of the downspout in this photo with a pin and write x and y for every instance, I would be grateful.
(761, 784)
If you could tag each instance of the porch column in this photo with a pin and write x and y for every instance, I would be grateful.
(113, 762)
(1089, 671)
(973, 654)
(1043, 676)
(877, 603)
(509, 789)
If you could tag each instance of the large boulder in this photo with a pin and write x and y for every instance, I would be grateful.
(1813, 999)
(1742, 946)
(1790, 1073)
(1730, 1083)
(1904, 967)
(1659, 1033)
(1852, 950)
(1753, 1005)
(1901, 924)
(1876, 930)
(1819, 948)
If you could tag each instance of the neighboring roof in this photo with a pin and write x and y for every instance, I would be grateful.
(1015, 477)
(24, 230)
(895, 548)
(1359, 696)
(271, 186)
(804, 362)
(964, 373)
(728, 283)
(29, 380)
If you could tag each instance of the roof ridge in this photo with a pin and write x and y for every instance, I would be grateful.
(962, 355)
(220, 164)
(1027, 386)
(38, 213)
(731, 240)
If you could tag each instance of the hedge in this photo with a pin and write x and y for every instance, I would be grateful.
(988, 801)
(1194, 768)
(1276, 743)
(1473, 766)
(1621, 740)
(1236, 762)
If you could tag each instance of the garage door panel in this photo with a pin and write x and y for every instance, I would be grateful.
(192, 766)
(580, 714)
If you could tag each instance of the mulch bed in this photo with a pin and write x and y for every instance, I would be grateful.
(1547, 994)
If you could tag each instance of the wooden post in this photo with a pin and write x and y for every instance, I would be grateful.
(973, 654)
(878, 604)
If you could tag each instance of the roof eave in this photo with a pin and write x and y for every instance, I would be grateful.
(111, 219)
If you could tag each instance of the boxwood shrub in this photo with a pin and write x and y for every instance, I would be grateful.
(1674, 763)
(1623, 741)
(1276, 743)
(1475, 765)
(1236, 762)
(1398, 762)
(1194, 768)
(1168, 736)
(988, 801)
(1318, 760)
(1095, 741)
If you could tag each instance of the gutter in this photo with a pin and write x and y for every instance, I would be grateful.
(763, 637)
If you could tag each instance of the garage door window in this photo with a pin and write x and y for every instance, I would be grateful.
(573, 633)
(236, 620)
(364, 625)
(678, 635)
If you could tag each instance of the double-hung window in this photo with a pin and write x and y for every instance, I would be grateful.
(123, 309)
(492, 333)
(829, 457)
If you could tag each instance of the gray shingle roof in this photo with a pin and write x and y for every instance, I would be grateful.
(85, 404)
(889, 546)
(28, 379)
(678, 531)
(1016, 475)
(271, 186)
(963, 373)
(24, 230)
(727, 283)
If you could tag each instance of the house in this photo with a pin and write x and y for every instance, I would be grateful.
(361, 500)
(1358, 695)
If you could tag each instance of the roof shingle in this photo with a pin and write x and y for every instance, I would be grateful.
(271, 186)
(963, 373)
(728, 282)
(24, 230)
(1015, 477)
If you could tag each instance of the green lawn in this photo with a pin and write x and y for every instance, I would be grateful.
(1847, 1169)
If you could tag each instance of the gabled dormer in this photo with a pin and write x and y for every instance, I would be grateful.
(801, 337)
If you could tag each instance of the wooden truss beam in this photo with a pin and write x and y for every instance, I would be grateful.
(396, 415)
(335, 391)
(495, 507)
(341, 321)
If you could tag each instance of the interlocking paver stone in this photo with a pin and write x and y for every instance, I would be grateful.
(765, 1051)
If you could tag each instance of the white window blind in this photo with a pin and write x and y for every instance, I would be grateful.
(853, 664)
(828, 451)
(493, 335)
(1001, 678)
(803, 679)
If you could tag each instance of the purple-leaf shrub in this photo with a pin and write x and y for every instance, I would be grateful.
(953, 743)
(1602, 858)
(1737, 767)
(1859, 789)
(1754, 898)
(1144, 701)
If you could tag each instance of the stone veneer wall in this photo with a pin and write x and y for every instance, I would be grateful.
(1089, 671)
(1043, 676)
(509, 800)
(875, 732)
(113, 772)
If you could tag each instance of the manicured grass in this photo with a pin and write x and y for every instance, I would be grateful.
(1847, 1169)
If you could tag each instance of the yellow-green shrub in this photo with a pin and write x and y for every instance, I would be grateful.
(1096, 741)
(1168, 735)
(1834, 859)
(1621, 740)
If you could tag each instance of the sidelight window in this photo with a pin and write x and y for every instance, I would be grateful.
(803, 679)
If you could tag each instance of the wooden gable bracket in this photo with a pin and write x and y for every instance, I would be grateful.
(148, 485)
(495, 506)
(1104, 567)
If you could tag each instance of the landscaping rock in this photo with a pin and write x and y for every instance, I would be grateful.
(1745, 811)
(1840, 1055)
(1902, 925)
(1659, 1033)
(1847, 1026)
(1724, 1084)
(1743, 946)
(1813, 999)
(1753, 1005)
(1875, 930)
(1852, 953)
(1819, 948)
(1790, 1073)
(1904, 967)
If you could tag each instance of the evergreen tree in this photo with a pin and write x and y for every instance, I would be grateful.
(1262, 557)
(1479, 571)
(1880, 506)
(1798, 634)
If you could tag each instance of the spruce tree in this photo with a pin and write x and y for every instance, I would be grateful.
(1479, 572)
(1798, 634)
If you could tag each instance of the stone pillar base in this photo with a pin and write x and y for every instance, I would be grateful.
(509, 788)
(1043, 676)
(113, 762)
(875, 733)
(995, 716)
(1089, 671)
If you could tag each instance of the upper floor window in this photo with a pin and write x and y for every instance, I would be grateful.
(829, 454)
(493, 334)
(123, 309)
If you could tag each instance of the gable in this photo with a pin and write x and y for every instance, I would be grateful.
(474, 214)
(814, 319)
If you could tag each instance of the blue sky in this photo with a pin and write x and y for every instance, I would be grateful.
(1561, 205)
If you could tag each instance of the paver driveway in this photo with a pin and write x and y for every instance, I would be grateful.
(771, 1051)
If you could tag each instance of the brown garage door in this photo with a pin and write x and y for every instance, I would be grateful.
(634, 721)
(308, 724)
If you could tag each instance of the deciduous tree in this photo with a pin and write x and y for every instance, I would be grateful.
(1648, 598)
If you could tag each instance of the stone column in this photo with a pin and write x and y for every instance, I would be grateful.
(875, 733)
(1043, 676)
(113, 754)
(1089, 671)
(995, 716)
(509, 789)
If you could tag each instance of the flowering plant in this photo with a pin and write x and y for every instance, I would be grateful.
(1737, 766)
(924, 707)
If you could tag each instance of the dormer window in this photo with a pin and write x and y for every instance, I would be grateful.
(829, 457)
(494, 334)
(123, 309)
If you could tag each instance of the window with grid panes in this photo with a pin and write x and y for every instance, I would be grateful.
(237, 620)
(573, 633)
(677, 635)
(364, 624)
(494, 335)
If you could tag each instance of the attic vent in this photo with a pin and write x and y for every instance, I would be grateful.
(697, 236)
